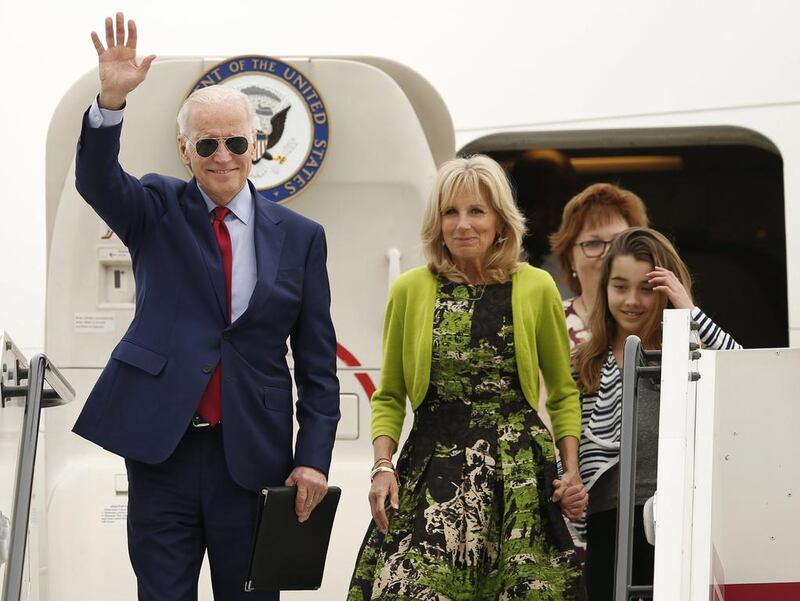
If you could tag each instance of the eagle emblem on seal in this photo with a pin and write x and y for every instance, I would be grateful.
(271, 110)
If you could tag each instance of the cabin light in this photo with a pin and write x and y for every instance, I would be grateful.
(627, 164)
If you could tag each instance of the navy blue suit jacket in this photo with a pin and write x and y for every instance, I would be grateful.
(146, 396)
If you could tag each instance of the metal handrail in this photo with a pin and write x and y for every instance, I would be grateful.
(634, 365)
(39, 372)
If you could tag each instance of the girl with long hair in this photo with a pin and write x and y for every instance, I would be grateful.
(641, 276)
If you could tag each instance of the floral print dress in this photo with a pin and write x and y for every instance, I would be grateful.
(475, 518)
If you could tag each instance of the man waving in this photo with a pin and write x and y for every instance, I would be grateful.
(197, 395)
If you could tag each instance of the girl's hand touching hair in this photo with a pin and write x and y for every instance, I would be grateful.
(664, 281)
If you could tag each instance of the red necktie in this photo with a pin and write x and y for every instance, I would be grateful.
(210, 408)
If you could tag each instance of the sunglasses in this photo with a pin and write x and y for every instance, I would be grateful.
(205, 147)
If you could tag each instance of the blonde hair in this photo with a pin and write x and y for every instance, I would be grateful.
(480, 177)
(216, 94)
(643, 244)
(596, 205)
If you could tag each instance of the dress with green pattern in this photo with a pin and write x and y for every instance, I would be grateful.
(475, 518)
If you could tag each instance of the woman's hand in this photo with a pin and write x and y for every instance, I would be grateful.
(663, 280)
(569, 491)
(571, 494)
(384, 485)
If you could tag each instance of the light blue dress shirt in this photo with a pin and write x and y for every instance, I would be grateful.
(240, 223)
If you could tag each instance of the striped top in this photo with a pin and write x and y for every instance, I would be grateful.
(601, 411)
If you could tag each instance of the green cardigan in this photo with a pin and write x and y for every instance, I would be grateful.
(540, 342)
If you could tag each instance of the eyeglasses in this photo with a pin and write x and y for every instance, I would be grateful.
(593, 249)
(205, 147)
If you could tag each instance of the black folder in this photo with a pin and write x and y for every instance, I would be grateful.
(288, 555)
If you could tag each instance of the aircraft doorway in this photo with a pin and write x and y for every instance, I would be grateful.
(717, 192)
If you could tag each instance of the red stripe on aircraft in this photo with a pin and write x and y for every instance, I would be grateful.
(366, 383)
(774, 591)
(350, 361)
(346, 356)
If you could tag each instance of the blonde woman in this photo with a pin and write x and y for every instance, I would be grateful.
(475, 501)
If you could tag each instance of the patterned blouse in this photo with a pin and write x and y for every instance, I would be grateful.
(578, 332)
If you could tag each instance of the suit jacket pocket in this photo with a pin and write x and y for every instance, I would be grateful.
(140, 357)
(278, 399)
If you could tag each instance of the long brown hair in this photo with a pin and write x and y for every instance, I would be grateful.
(643, 244)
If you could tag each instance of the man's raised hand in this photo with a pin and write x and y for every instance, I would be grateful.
(119, 72)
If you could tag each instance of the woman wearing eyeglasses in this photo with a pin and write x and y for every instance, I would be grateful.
(590, 222)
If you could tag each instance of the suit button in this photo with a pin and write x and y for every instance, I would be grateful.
(226, 335)
(207, 369)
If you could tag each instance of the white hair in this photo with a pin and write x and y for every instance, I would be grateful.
(215, 94)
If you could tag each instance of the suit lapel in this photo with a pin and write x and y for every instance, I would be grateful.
(269, 237)
(197, 216)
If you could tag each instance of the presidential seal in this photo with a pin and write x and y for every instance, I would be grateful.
(293, 125)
